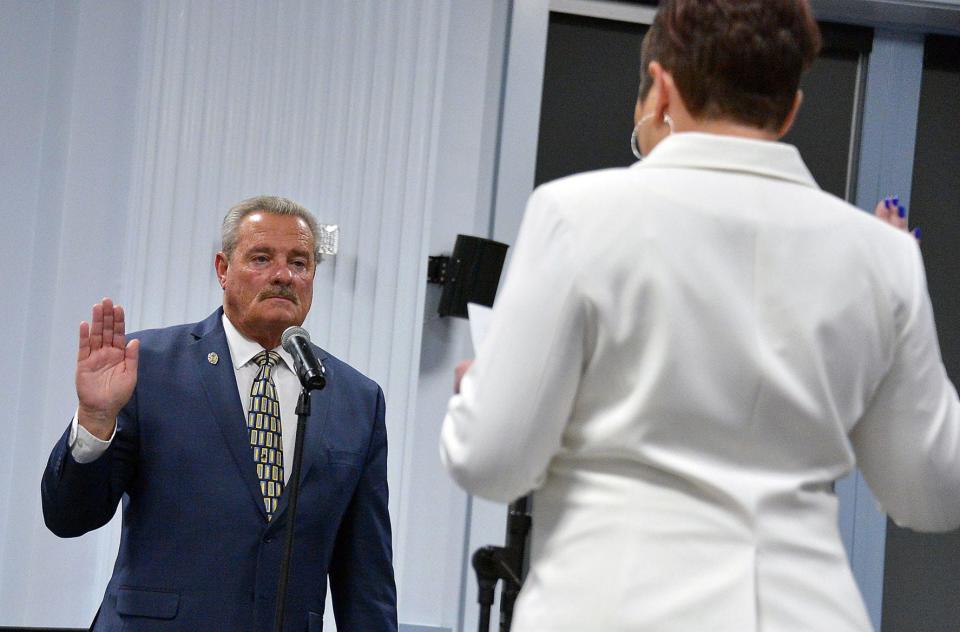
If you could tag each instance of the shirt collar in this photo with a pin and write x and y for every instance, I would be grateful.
(243, 350)
(697, 150)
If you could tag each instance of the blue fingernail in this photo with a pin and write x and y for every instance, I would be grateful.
(902, 211)
(886, 201)
(896, 200)
(916, 232)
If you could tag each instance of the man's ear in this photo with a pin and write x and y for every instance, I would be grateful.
(220, 264)
(791, 116)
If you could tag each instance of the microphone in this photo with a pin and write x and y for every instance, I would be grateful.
(296, 342)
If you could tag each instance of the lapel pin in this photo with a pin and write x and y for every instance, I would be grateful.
(213, 358)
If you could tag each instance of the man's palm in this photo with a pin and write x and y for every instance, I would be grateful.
(106, 368)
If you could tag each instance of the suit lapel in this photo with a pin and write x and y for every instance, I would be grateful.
(212, 359)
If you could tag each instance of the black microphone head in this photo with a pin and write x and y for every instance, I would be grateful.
(296, 342)
(289, 333)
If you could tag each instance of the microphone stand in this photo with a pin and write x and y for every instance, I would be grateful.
(507, 563)
(303, 411)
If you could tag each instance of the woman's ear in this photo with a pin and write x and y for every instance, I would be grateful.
(661, 89)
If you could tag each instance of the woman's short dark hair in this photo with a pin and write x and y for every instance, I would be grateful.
(733, 59)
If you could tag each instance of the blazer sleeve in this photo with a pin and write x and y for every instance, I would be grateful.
(908, 441)
(80, 497)
(506, 424)
(361, 570)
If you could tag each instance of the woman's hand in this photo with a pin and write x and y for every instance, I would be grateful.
(892, 212)
(458, 373)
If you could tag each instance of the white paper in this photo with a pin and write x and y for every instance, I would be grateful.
(479, 316)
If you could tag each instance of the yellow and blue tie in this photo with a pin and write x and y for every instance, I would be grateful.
(263, 423)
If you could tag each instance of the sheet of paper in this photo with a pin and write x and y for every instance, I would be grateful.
(479, 316)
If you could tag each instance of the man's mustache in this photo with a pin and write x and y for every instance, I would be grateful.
(277, 291)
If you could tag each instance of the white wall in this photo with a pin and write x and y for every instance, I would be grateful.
(462, 203)
(66, 132)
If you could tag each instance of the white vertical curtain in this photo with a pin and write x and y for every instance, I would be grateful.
(330, 103)
(148, 121)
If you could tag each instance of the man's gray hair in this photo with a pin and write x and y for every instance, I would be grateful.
(267, 204)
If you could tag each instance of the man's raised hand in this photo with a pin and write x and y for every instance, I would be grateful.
(106, 369)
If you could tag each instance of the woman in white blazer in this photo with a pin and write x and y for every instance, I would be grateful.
(687, 353)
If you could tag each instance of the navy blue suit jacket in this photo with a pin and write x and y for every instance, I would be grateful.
(196, 550)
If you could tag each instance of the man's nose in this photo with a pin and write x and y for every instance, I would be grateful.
(282, 274)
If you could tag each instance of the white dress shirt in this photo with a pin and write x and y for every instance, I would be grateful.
(84, 447)
(684, 356)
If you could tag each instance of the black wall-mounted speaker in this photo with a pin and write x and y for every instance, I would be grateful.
(470, 275)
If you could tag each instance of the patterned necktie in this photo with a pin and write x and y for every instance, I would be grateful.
(263, 422)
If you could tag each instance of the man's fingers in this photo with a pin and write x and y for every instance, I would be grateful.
(131, 356)
(107, 308)
(84, 350)
(96, 327)
(106, 328)
(119, 341)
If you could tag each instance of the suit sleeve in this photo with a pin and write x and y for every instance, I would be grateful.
(80, 497)
(506, 424)
(908, 441)
(361, 570)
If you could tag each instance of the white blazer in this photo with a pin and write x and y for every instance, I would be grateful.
(685, 355)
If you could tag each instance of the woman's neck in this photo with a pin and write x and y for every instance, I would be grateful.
(725, 128)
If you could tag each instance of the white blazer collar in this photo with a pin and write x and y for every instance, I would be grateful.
(697, 150)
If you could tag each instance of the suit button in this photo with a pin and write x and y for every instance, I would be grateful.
(267, 540)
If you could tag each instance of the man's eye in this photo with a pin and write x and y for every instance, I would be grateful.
(260, 259)
(300, 265)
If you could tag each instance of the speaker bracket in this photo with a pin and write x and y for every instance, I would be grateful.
(437, 269)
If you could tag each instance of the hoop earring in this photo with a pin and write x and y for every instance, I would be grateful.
(634, 146)
(669, 121)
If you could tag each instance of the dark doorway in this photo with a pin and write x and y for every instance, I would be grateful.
(591, 75)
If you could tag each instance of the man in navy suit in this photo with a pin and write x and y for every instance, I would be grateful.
(168, 422)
